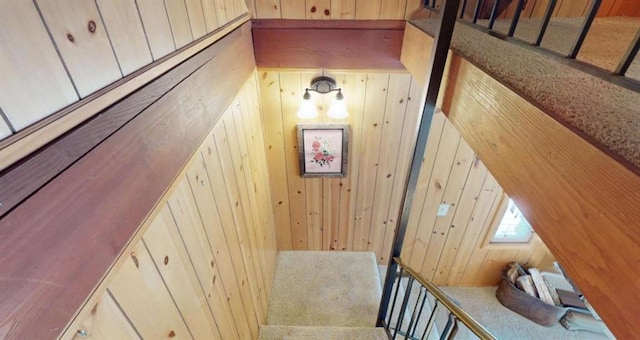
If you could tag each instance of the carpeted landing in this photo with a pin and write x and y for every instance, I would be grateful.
(324, 295)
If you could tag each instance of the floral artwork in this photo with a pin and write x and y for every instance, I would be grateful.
(321, 152)
(322, 149)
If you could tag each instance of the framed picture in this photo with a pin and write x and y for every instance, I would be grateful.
(322, 149)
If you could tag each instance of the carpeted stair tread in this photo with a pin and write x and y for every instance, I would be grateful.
(321, 333)
(314, 288)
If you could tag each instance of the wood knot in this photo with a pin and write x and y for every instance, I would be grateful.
(327, 12)
(172, 334)
(91, 26)
(166, 260)
(135, 260)
(313, 9)
(70, 37)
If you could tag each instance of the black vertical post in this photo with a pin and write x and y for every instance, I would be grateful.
(584, 30)
(439, 52)
(629, 56)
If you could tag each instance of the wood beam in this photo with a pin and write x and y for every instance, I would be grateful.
(59, 244)
(336, 44)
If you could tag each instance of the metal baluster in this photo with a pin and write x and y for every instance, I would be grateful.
(476, 12)
(463, 8)
(413, 315)
(516, 18)
(494, 14)
(424, 300)
(595, 5)
(545, 21)
(403, 307)
(454, 329)
(448, 328)
(629, 56)
(432, 320)
(395, 296)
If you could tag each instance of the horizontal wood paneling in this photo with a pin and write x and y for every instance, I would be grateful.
(576, 8)
(186, 277)
(335, 9)
(118, 183)
(336, 214)
(282, 45)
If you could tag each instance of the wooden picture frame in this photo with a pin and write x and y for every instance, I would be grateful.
(323, 149)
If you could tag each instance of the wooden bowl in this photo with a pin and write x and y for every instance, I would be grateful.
(526, 305)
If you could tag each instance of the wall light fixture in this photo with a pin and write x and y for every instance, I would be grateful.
(323, 85)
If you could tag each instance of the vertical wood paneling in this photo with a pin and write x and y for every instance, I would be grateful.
(83, 43)
(139, 290)
(163, 241)
(221, 12)
(268, 9)
(157, 27)
(196, 18)
(368, 10)
(343, 9)
(355, 86)
(318, 9)
(292, 9)
(125, 31)
(374, 105)
(4, 129)
(392, 9)
(179, 20)
(210, 17)
(107, 321)
(31, 66)
(392, 130)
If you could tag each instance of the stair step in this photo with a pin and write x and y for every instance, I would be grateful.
(319, 288)
(321, 333)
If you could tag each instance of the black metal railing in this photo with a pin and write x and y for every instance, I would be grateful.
(592, 10)
(418, 305)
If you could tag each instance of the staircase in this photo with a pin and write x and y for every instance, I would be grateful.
(324, 295)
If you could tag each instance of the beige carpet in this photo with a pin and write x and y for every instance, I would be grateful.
(321, 333)
(483, 306)
(605, 112)
(314, 288)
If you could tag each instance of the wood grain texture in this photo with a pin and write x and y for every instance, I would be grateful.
(126, 34)
(28, 304)
(328, 48)
(31, 66)
(107, 320)
(196, 18)
(179, 20)
(335, 9)
(157, 27)
(20, 181)
(33, 137)
(416, 49)
(332, 214)
(210, 17)
(343, 9)
(368, 10)
(572, 184)
(268, 9)
(81, 39)
(292, 9)
(140, 291)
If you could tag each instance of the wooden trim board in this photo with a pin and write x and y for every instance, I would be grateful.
(94, 208)
(328, 44)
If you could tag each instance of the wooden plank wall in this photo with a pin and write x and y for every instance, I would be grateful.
(449, 250)
(353, 213)
(204, 266)
(63, 51)
(334, 9)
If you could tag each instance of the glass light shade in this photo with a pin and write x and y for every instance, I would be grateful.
(307, 109)
(338, 109)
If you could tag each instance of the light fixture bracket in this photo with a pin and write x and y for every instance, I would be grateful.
(323, 85)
